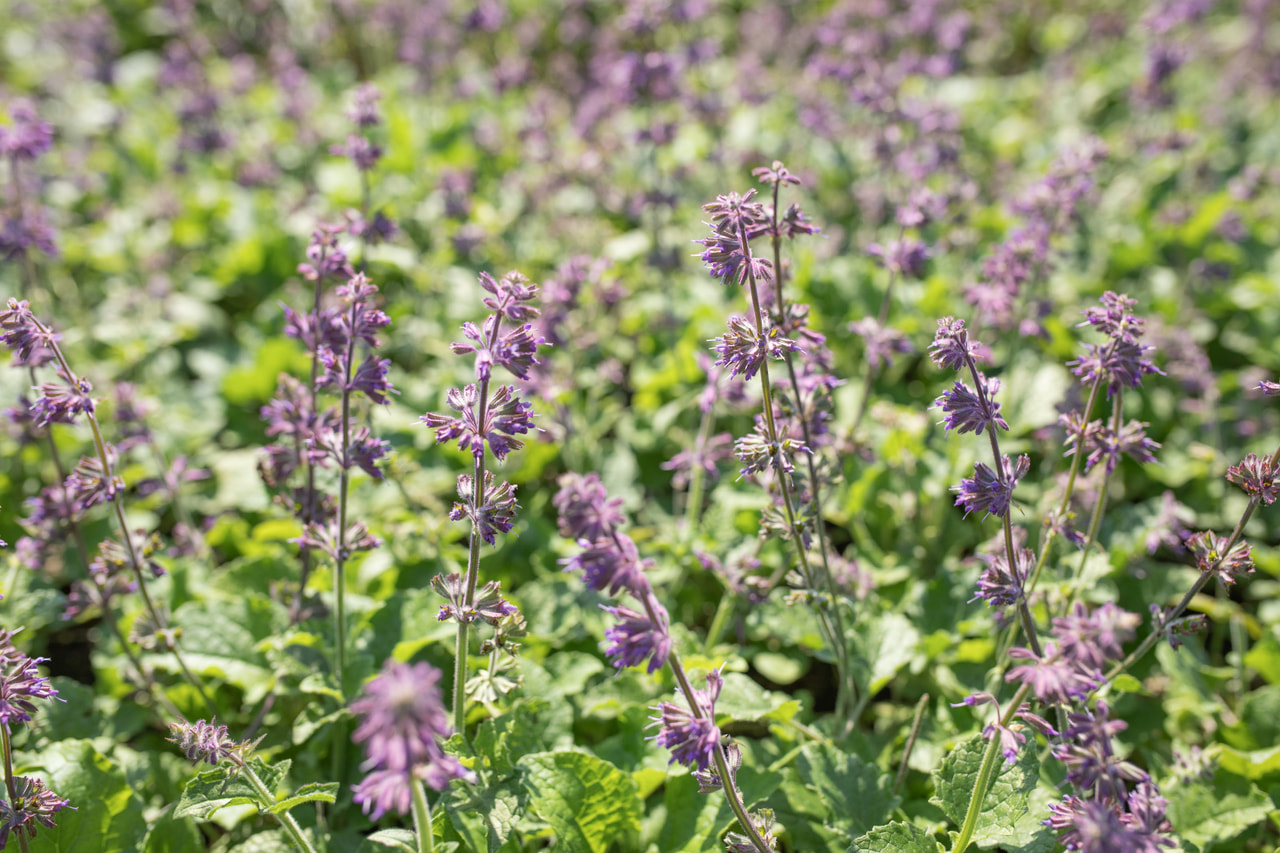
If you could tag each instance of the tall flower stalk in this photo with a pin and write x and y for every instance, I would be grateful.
(94, 480)
(487, 420)
(610, 562)
(746, 349)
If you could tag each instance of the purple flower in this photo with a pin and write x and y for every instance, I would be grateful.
(883, 343)
(1000, 586)
(611, 563)
(323, 536)
(1052, 678)
(1114, 319)
(402, 721)
(1258, 476)
(1119, 363)
(505, 417)
(692, 738)
(967, 411)
(60, 402)
(906, 257)
(635, 638)
(1269, 389)
(951, 346)
(743, 351)
(205, 741)
(360, 150)
(759, 453)
(509, 295)
(497, 512)
(1091, 762)
(734, 216)
(364, 111)
(988, 492)
(1090, 639)
(34, 805)
(325, 257)
(585, 509)
(1106, 443)
(32, 343)
(704, 455)
(20, 683)
(1096, 826)
(27, 137)
(1210, 558)
(489, 605)
(90, 483)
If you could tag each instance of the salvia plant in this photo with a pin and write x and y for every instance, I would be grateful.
(884, 460)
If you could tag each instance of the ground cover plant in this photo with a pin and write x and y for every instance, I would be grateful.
(671, 425)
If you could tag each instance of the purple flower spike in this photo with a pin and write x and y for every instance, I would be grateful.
(402, 721)
(585, 509)
(34, 805)
(968, 411)
(951, 345)
(204, 741)
(636, 638)
(743, 351)
(692, 739)
(20, 683)
(31, 342)
(987, 492)
(1258, 477)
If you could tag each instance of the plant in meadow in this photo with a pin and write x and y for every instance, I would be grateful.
(212, 744)
(28, 803)
(94, 481)
(1067, 668)
(487, 420)
(610, 562)
(403, 721)
(745, 350)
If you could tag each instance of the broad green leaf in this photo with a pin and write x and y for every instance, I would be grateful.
(312, 792)
(1006, 800)
(221, 638)
(224, 786)
(1250, 764)
(855, 791)
(692, 820)
(504, 739)
(1207, 814)
(483, 815)
(399, 839)
(882, 646)
(588, 802)
(743, 700)
(896, 838)
(107, 817)
(171, 834)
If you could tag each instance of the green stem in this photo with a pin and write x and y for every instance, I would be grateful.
(1095, 519)
(724, 611)
(422, 819)
(911, 742)
(985, 772)
(290, 825)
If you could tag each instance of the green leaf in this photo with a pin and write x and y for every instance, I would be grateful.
(883, 646)
(1250, 764)
(692, 820)
(172, 834)
(505, 738)
(221, 638)
(108, 815)
(483, 815)
(312, 792)
(588, 802)
(855, 791)
(224, 786)
(896, 838)
(1006, 800)
(1206, 814)
(401, 839)
(743, 700)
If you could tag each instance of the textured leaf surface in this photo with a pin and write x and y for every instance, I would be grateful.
(107, 817)
(223, 786)
(588, 802)
(1206, 814)
(312, 792)
(855, 791)
(1006, 801)
(895, 838)
(483, 815)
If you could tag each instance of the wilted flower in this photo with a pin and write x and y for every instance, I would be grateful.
(1258, 476)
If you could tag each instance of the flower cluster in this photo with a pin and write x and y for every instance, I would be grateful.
(691, 735)
(1070, 665)
(1123, 360)
(361, 148)
(207, 742)
(609, 561)
(402, 721)
(24, 224)
(21, 686)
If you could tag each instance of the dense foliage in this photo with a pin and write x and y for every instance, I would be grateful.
(671, 425)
